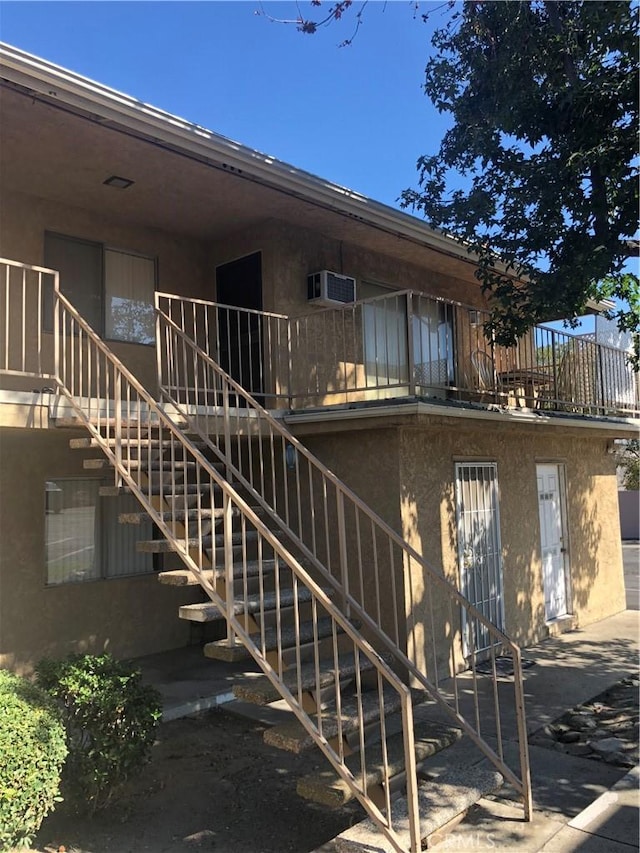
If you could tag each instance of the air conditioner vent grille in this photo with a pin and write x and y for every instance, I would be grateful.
(330, 288)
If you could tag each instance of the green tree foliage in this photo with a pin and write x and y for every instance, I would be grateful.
(110, 718)
(543, 96)
(544, 99)
(32, 752)
(628, 459)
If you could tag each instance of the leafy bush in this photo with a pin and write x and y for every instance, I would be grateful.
(32, 752)
(110, 718)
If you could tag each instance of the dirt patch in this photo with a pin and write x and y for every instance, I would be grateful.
(212, 784)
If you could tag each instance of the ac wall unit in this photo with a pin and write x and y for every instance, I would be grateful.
(330, 288)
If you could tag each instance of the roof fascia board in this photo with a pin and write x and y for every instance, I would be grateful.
(60, 85)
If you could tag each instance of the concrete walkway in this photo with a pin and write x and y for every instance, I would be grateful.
(579, 804)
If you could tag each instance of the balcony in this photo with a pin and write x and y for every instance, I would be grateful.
(402, 345)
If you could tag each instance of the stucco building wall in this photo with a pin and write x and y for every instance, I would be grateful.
(427, 459)
(127, 616)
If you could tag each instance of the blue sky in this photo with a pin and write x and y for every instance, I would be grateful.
(355, 115)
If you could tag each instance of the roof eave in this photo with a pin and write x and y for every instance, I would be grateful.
(58, 84)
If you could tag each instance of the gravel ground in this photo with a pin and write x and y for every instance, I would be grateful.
(603, 729)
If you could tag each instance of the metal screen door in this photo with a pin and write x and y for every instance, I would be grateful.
(479, 548)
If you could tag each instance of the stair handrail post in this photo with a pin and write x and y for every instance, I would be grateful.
(56, 327)
(227, 507)
(159, 359)
(411, 773)
(289, 364)
(118, 426)
(342, 550)
(523, 743)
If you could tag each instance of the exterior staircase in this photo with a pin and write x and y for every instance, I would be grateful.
(299, 574)
(346, 716)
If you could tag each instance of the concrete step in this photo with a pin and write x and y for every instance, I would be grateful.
(307, 632)
(175, 490)
(164, 465)
(164, 546)
(442, 803)
(207, 611)
(260, 691)
(179, 515)
(183, 577)
(329, 789)
(146, 444)
(293, 737)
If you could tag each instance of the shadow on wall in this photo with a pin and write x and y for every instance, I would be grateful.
(429, 517)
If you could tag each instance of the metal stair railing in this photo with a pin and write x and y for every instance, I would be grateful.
(350, 546)
(89, 374)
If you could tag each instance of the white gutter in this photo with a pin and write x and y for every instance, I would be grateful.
(103, 103)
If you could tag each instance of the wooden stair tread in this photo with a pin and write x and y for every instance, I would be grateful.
(293, 737)
(180, 515)
(440, 801)
(207, 611)
(327, 788)
(260, 691)
(184, 577)
(268, 641)
(134, 425)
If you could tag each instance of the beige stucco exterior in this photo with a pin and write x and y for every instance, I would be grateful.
(191, 210)
(128, 616)
(405, 466)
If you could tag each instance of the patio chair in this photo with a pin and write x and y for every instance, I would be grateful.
(485, 374)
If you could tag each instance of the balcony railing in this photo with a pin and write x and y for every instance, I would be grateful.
(405, 344)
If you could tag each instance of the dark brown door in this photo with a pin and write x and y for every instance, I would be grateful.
(239, 286)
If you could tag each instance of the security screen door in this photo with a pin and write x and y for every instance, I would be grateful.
(479, 549)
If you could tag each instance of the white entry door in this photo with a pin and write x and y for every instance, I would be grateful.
(552, 539)
(479, 549)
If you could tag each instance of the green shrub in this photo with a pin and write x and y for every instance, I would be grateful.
(110, 718)
(32, 752)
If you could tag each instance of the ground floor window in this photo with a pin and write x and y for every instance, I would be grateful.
(84, 540)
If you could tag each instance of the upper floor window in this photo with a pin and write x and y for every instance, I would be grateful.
(110, 288)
